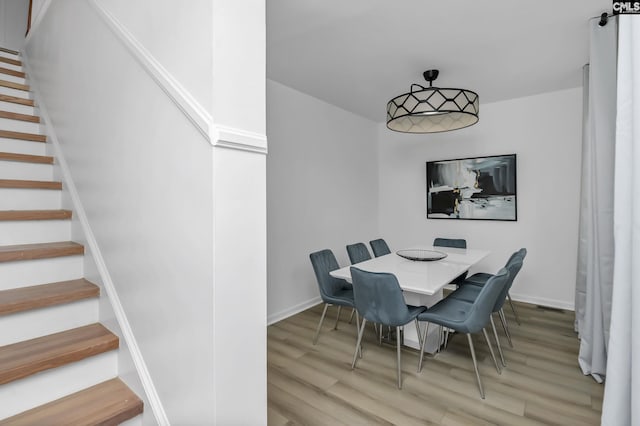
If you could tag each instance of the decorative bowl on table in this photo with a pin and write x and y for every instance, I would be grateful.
(421, 255)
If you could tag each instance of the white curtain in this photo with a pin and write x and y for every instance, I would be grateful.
(595, 248)
(622, 390)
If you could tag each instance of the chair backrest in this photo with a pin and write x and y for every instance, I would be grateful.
(514, 264)
(378, 297)
(485, 302)
(379, 247)
(323, 262)
(450, 242)
(358, 252)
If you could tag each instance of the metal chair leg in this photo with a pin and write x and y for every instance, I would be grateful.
(355, 354)
(503, 319)
(424, 340)
(493, 355)
(475, 365)
(353, 311)
(495, 334)
(515, 314)
(335, 326)
(418, 332)
(324, 312)
(358, 328)
(398, 350)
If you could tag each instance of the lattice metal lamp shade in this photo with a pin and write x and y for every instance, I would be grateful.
(432, 109)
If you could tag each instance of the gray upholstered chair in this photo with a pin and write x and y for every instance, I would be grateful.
(378, 298)
(453, 243)
(333, 291)
(469, 292)
(450, 242)
(379, 247)
(481, 277)
(358, 252)
(468, 318)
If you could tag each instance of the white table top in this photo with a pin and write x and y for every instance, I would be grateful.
(420, 277)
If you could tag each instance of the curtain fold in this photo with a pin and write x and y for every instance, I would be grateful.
(622, 391)
(594, 279)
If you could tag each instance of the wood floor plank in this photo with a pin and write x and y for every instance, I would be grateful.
(21, 117)
(16, 100)
(6, 215)
(107, 403)
(14, 73)
(25, 358)
(26, 158)
(10, 61)
(33, 137)
(39, 251)
(541, 378)
(12, 85)
(29, 184)
(40, 296)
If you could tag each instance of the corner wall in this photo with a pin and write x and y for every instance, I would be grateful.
(322, 191)
(545, 133)
(13, 23)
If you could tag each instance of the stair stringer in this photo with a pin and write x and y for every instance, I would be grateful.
(132, 368)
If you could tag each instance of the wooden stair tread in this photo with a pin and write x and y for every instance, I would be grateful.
(39, 251)
(14, 73)
(10, 61)
(12, 85)
(107, 403)
(5, 50)
(40, 296)
(26, 158)
(22, 117)
(30, 184)
(16, 100)
(23, 359)
(23, 136)
(35, 215)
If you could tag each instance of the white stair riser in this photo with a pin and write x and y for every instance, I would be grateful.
(29, 199)
(19, 108)
(15, 92)
(26, 171)
(136, 421)
(41, 322)
(41, 271)
(19, 126)
(22, 147)
(10, 55)
(25, 394)
(12, 78)
(11, 66)
(34, 231)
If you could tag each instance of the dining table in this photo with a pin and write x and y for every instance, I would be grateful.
(422, 272)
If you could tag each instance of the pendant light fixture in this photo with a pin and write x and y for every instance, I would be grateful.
(432, 109)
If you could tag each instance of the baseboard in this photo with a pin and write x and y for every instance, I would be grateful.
(279, 316)
(542, 301)
(79, 212)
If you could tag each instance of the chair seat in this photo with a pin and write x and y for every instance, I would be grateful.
(451, 313)
(467, 293)
(478, 279)
(342, 297)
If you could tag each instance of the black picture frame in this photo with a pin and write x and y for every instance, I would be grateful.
(473, 188)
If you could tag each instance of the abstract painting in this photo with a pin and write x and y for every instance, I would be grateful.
(481, 188)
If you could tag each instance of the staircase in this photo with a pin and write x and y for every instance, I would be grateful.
(58, 365)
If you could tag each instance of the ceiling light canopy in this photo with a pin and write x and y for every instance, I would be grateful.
(432, 109)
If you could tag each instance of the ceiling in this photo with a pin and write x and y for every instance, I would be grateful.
(358, 54)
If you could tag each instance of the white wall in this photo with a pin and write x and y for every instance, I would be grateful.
(178, 36)
(545, 133)
(322, 192)
(13, 23)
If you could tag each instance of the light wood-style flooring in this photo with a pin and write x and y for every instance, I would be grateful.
(542, 383)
